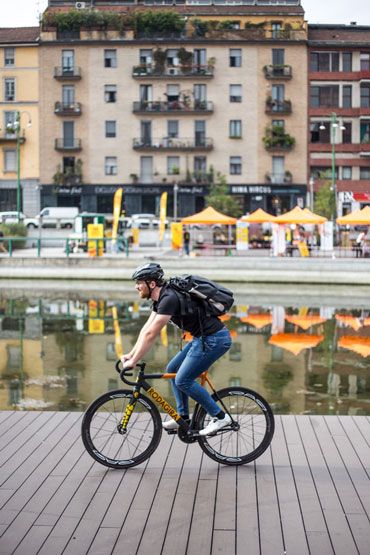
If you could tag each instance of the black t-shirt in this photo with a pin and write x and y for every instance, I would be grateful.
(168, 304)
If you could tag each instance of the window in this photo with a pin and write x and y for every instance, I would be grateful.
(173, 93)
(278, 167)
(69, 163)
(173, 165)
(172, 59)
(322, 172)
(10, 160)
(235, 57)
(10, 123)
(347, 61)
(110, 58)
(110, 93)
(327, 96)
(346, 172)
(173, 129)
(365, 61)
(146, 56)
(200, 167)
(110, 165)
(324, 61)
(278, 123)
(200, 133)
(347, 133)
(235, 129)
(365, 132)
(9, 56)
(320, 135)
(365, 96)
(200, 57)
(146, 93)
(68, 61)
(68, 95)
(275, 29)
(9, 93)
(146, 133)
(278, 56)
(235, 165)
(347, 96)
(235, 93)
(364, 173)
(110, 128)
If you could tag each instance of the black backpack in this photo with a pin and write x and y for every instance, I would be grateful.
(215, 298)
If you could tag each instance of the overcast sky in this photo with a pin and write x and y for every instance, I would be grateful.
(21, 13)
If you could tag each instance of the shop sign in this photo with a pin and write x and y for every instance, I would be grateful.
(67, 190)
(251, 189)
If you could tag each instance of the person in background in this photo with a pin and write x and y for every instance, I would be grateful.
(186, 241)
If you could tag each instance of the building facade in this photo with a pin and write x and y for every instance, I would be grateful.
(19, 120)
(149, 113)
(339, 112)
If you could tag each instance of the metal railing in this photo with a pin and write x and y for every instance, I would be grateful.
(67, 72)
(166, 143)
(67, 108)
(174, 106)
(278, 71)
(153, 70)
(70, 245)
(68, 144)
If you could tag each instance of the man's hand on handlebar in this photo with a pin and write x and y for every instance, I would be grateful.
(127, 362)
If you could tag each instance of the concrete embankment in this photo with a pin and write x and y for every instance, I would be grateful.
(226, 269)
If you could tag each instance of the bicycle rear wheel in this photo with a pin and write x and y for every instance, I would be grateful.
(254, 430)
(102, 439)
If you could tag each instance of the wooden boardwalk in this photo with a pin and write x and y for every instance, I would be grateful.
(309, 493)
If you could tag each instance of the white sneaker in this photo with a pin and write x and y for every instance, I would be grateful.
(215, 425)
(170, 425)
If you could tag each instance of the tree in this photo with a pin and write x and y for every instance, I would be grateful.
(324, 204)
(220, 199)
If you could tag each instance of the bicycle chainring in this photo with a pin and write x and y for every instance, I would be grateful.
(185, 437)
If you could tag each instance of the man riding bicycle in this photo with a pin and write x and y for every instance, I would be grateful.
(210, 341)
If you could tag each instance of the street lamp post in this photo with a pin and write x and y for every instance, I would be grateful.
(17, 124)
(311, 183)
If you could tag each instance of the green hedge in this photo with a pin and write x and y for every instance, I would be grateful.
(14, 230)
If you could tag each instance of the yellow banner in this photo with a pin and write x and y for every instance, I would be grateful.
(176, 236)
(117, 333)
(162, 215)
(95, 231)
(117, 202)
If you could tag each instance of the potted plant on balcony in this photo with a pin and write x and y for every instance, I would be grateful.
(175, 170)
(134, 177)
(160, 57)
(186, 59)
(287, 176)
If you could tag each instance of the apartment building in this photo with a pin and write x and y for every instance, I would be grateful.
(148, 111)
(339, 112)
(19, 119)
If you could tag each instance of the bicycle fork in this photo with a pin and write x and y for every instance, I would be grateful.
(122, 426)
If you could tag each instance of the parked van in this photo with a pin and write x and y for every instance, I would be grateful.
(54, 216)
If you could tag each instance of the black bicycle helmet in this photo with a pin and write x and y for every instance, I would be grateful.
(149, 272)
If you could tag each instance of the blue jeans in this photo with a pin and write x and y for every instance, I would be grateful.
(189, 363)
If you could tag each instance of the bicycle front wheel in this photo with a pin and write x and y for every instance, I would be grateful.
(101, 436)
(252, 433)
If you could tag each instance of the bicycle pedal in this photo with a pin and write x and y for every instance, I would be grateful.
(171, 432)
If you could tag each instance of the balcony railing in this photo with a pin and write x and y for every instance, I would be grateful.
(279, 178)
(168, 71)
(278, 107)
(6, 137)
(68, 144)
(278, 72)
(166, 143)
(67, 109)
(203, 106)
(67, 73)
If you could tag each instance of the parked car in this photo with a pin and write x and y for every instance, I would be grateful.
(11, 217)
(144, 221)
(54, 216)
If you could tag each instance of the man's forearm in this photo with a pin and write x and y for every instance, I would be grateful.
(143, 344)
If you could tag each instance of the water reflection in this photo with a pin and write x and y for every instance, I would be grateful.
(57, 353)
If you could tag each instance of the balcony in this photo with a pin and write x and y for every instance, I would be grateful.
(276, 139)
(70, 145)
(172, 144)
(67, 73)
(279, 178)
(278, 72)
(67, 109)
(176, 107)
(152, 71)
(278, 107)
(6, 137)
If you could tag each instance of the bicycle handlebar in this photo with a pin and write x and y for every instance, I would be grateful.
(127, 372)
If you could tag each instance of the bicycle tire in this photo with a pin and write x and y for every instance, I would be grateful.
(106, 445)
(256, 427)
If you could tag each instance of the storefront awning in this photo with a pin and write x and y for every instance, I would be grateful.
(258, 217)
(299, 216)
(209, 216)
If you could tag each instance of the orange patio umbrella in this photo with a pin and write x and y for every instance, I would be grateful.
(360, 345)
(258, 320)
(306, 321)
(356, 217)
(350, 321)
(209, 216)
(259, 216)
(299, 216)
(295, 342)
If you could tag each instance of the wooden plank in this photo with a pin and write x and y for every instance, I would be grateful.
(33, 541)
(14, 425)
(358, 441)
(131, 532)
(104, 541)
(225, 510)
(313, 519)
(338, 528)
(157, 521)
(363, 425)
(10, 418)
(182, 508)
(294, 534)
(223, 542)
(247, 524)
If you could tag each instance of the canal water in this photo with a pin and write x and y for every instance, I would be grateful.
(308, 355)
